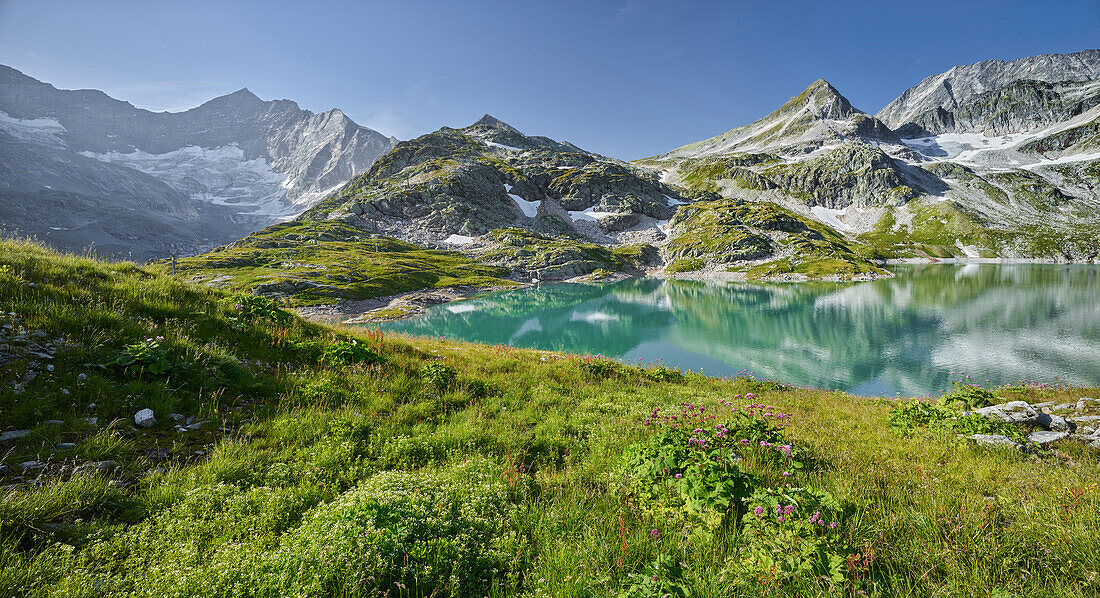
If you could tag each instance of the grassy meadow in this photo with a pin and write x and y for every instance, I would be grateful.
(307, 460)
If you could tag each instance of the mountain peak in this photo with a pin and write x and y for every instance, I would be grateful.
(822, 100)
(491, 121)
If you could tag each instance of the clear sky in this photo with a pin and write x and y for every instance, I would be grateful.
(628, 78)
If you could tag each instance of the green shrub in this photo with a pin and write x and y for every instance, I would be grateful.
(439, 375)
(790, 534)
(598, 368)
(145, 356)
(255, 307)
(967, 397)
(348, 353)
(432, 533)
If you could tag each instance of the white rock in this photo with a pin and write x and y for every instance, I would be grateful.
(1046, 437)
(1083, 403)
(145, 418)
(1012, 412)
(12, 435)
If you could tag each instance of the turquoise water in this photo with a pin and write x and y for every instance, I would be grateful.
(996, 322)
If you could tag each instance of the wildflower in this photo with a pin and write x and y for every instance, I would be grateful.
(655, 533)
(787, 510)
(781, 519)
(786, 474)
(833, 525)
(759, 511)
(679, 475)
(749, 396)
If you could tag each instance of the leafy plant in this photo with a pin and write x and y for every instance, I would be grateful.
(149, 355)
(255, 307)
(348, 353)
(792, 533)
(598, 368)
(439, 375)
(663, 578)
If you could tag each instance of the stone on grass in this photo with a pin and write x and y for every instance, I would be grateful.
(145, 418)
(995, 440)
(1012, 412)
(12, 435)
(1046, 437)
(1056, 423)
(103, 467)
(1083, 403)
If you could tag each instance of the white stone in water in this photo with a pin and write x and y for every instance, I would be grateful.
(145, 418)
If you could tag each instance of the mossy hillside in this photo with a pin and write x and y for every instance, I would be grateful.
(939, 228)
(852, 174)
(703, 174)
(454, 469)
(305, 263)
(549, 258)
(741, 232)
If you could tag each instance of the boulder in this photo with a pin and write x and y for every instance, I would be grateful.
(1084, 402)
(13, 434)
(1013, 412)
(995, 440)
(1043, 437)
(145, 418)
(1056, 423)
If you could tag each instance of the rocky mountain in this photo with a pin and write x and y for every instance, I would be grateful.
(996, 159)
(949, 90)
(139, 183)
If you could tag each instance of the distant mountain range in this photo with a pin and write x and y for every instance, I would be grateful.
(993, 159)
(80, 169)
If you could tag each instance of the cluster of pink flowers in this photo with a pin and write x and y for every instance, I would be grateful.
(783, 513)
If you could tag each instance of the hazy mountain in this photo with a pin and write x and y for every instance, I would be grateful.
(199, 177)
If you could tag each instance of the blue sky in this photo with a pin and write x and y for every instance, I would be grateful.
(630, 78)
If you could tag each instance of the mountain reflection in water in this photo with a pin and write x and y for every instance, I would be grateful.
(996, 322)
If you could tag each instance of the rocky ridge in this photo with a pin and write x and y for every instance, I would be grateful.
(130, 182)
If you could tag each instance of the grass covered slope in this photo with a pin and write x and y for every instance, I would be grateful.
(761, 239)
(344, 463)
(322, 262)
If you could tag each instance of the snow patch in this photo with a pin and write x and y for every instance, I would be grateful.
(458, 240)
(219, 176)
(590, 215)
(502, 146)
(831, 217)
(674, 202)
(46, 131)
(969, 250)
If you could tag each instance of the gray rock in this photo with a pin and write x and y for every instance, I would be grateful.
(1056, 423)
(994, 440)
(91, 421)
(53, 422)
(1084, 402)
(1064, 406)
(197, 425)
(179, 418)
(1041, 405)
(30, 465)
(81, 377)
(66, 445)
(13, 434)
(1013, 412)
(1046, 436)
(1084, 418)
(102, 467)
(145, 418)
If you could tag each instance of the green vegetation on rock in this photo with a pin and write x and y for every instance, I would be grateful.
(308, 263)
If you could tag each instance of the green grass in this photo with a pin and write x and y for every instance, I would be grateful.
(309, 263)
(447, 468)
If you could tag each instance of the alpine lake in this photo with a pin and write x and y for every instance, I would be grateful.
(911, 335)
